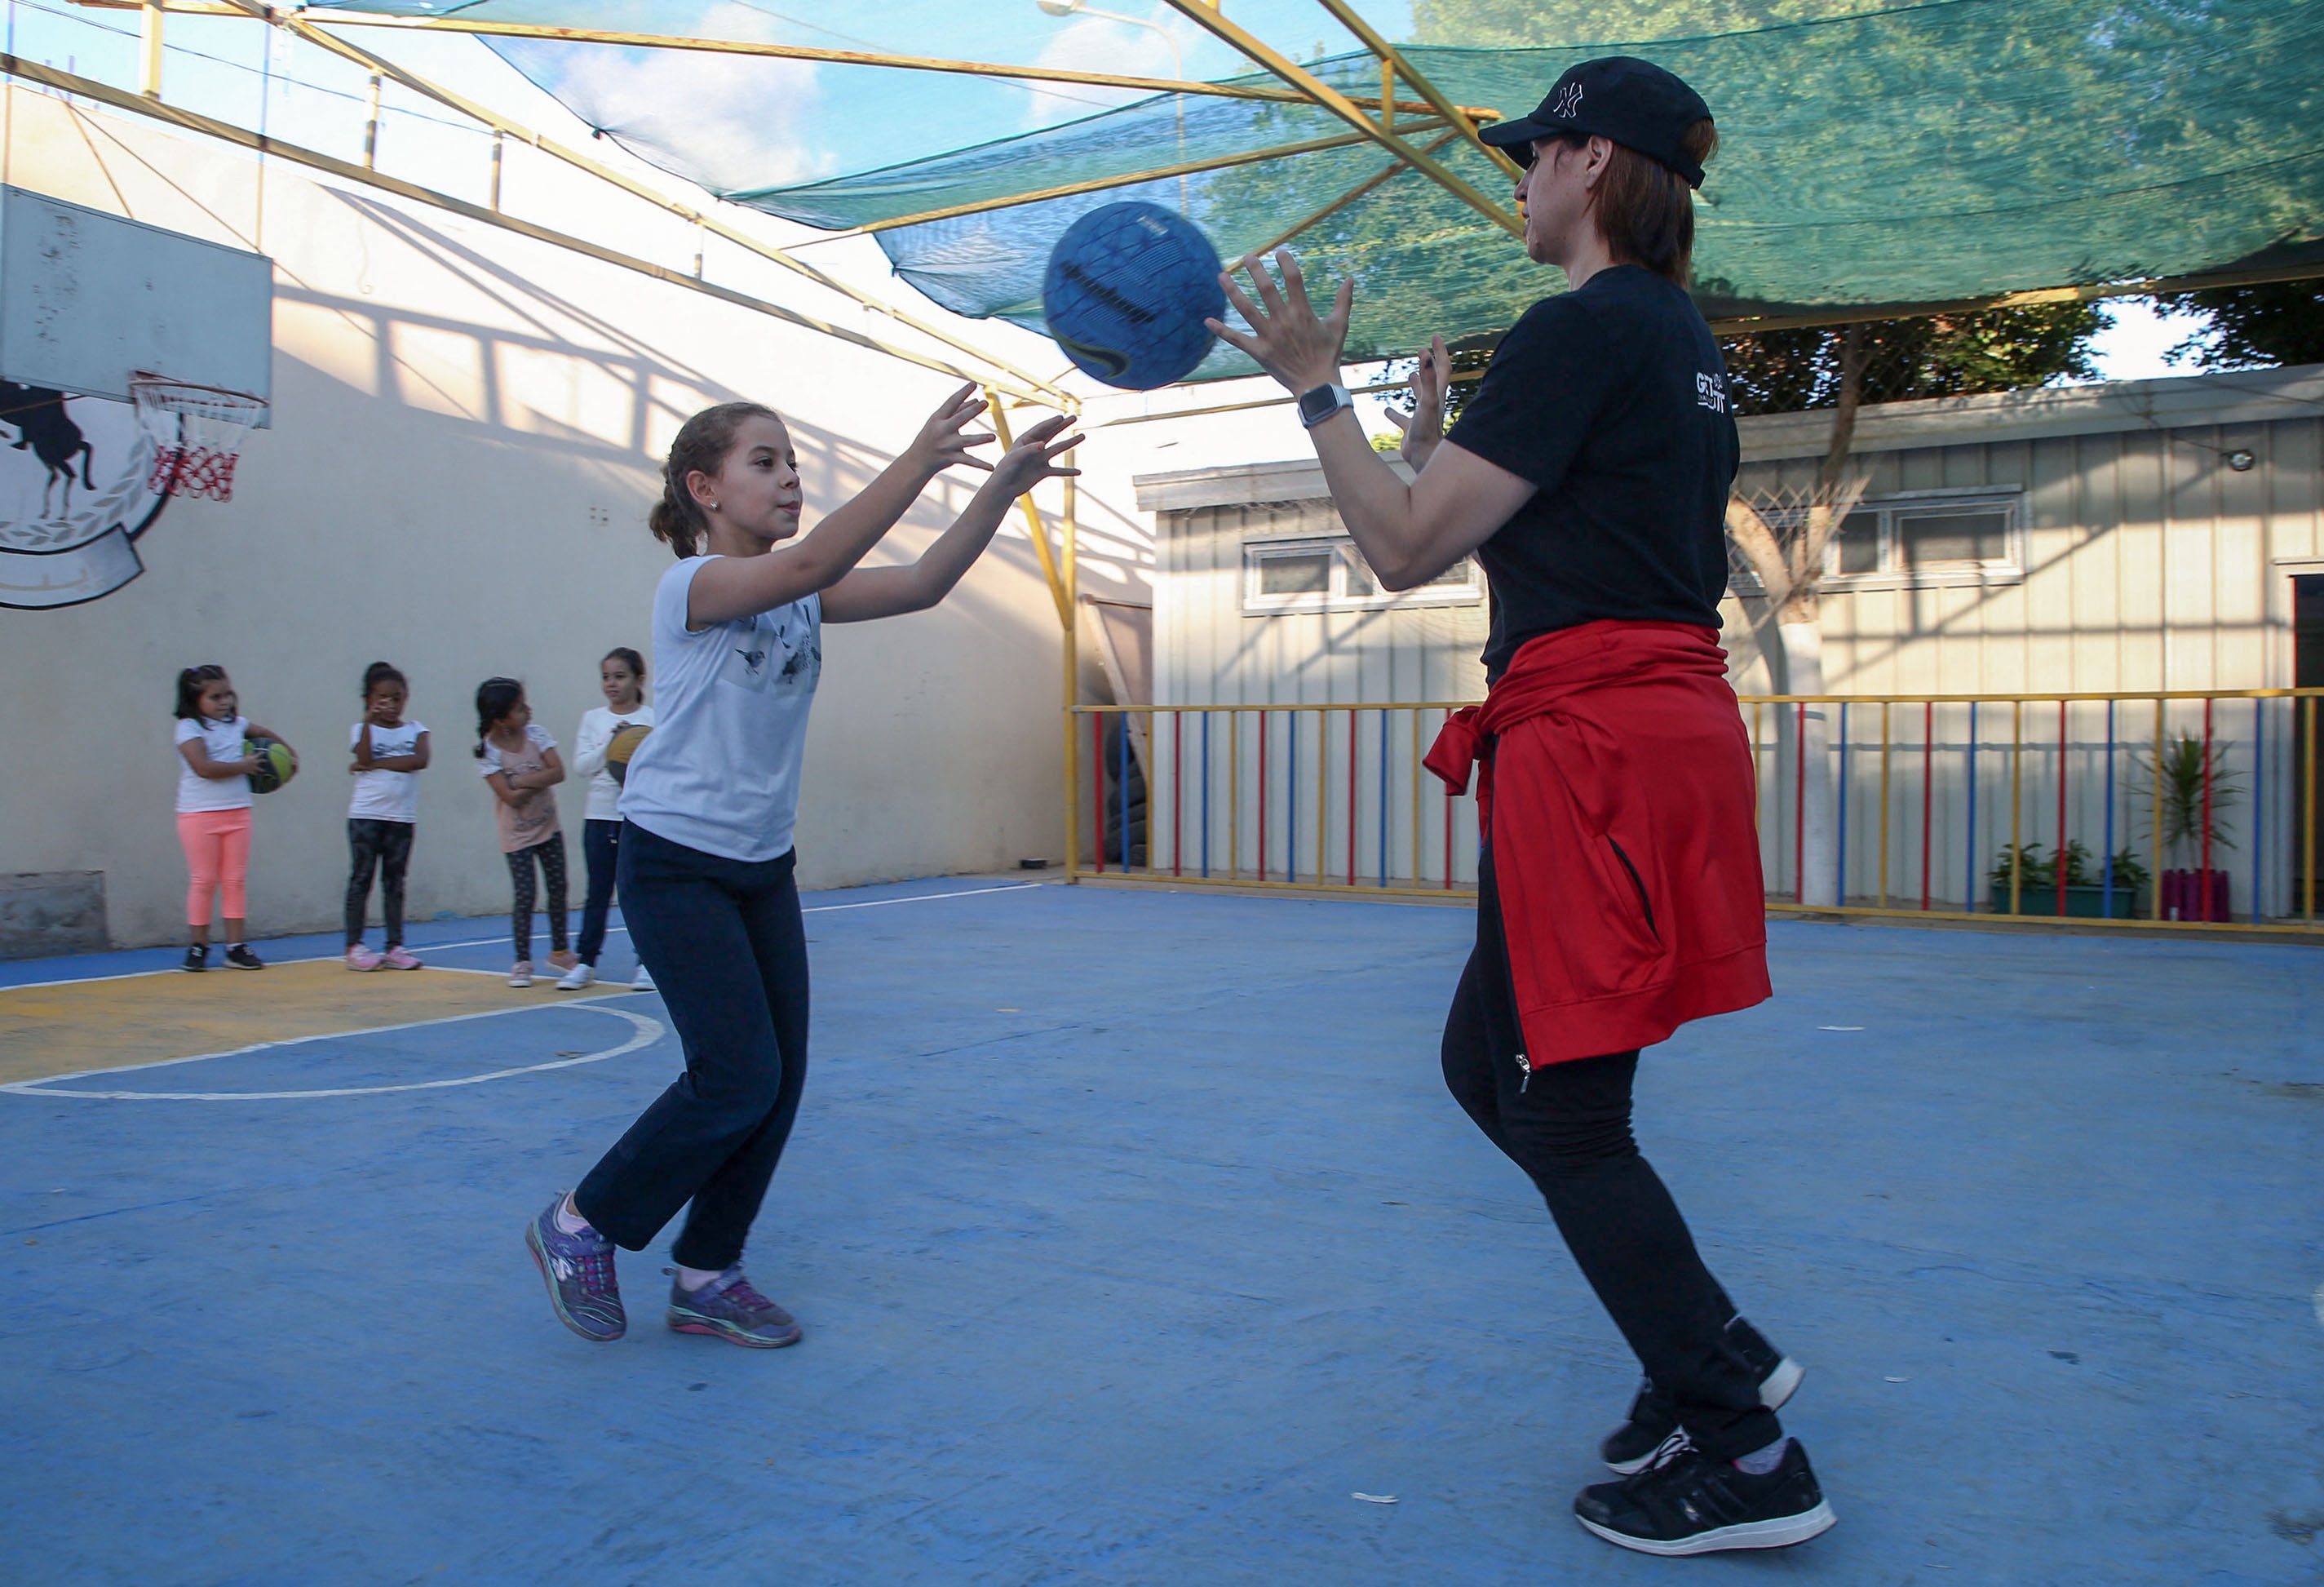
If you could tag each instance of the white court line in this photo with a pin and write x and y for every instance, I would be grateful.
(648, 1031)
(488, 941)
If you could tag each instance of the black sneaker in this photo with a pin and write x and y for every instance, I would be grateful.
(198, 958)
(1693, 1504)
(1651, 1435)
(242, 958)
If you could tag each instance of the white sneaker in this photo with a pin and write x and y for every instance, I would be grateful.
(521, 974)
(577, 977)
(641, 982)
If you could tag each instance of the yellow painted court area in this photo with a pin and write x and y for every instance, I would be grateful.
(67, 1028)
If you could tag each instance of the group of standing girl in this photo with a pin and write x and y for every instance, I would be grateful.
(387, 751)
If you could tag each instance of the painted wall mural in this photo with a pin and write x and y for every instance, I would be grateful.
(79, 486)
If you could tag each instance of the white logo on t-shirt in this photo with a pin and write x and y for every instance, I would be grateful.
(1711, 392)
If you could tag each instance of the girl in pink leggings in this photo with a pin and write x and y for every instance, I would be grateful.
(214, 809)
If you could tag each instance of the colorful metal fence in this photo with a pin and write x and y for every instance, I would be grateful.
(1947, 806)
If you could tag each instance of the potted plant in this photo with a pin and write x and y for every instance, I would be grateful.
(2086, 887)
(2196, 793)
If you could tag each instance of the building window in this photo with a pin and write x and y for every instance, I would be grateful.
(1330, 576)
(1918, 540)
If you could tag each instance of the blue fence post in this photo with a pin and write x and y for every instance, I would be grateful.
(2106, 860)
(1206, 794)
(1291, 796)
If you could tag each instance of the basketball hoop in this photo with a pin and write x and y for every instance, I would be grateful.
(196, 433)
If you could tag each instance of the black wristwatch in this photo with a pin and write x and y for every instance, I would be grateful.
(1320, 402)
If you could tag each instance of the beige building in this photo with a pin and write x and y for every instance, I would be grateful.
(2164, 534)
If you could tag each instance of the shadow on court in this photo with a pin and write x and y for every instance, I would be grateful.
(1134, 1235)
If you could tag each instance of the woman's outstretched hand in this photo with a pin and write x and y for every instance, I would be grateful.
(1425, 429)
(1287, 339)
(941, 444)
(1034, 458)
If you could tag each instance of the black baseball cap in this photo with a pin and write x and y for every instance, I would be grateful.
(1634, 102)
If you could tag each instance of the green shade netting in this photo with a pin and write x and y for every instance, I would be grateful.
(1916, 154)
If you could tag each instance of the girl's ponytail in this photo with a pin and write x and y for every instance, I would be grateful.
(496, 698)
(190, 689)
(700, 448)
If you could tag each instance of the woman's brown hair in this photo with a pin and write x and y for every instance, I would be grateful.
(702, 445)
(1644, 207)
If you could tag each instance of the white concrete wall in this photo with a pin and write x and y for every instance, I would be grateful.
(465, 438)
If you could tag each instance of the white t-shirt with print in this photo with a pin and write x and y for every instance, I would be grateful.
(223, 741)
(589, 746)
(381, 794)
(720, 771)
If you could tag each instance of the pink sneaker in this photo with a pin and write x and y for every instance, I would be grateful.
(360, 957)
(396, 958)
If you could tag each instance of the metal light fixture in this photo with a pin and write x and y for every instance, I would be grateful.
(2241, 459)
(1059, 7)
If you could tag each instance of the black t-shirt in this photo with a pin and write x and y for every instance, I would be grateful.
(1612, 401)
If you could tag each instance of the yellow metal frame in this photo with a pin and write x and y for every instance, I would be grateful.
(1210, 19)
(226, 131)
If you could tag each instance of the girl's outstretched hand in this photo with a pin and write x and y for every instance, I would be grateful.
(941, 444)
(1034, 458)
(1289, 339)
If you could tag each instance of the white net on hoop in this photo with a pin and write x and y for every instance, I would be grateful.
(196, 433)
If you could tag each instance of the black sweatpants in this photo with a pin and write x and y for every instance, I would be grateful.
(1568, 1126)
(384, 846)
(726, 945)
(550, 852)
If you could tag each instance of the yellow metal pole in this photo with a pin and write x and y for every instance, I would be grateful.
(149, 70)
(1417, 786)
(1073, 691)
(2017, 792)
(1884, 804)
(2155, 835)
(1387, 94)
(1372, 184)
(988, 68)
(1099, 184)
(1034, 527)
(1393, 64)
(226, 131)
(1209, 19)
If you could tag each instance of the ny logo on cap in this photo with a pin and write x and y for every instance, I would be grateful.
(1568, 104)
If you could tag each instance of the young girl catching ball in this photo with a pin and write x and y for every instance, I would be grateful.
(213, 810)
(389, 753)
(518, 763)
(621, 675)
(706, 862)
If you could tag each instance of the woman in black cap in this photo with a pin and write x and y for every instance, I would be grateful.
(1619, 891)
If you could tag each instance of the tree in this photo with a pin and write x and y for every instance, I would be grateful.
(2251, 327)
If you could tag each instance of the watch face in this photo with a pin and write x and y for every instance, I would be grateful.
(1318, 404)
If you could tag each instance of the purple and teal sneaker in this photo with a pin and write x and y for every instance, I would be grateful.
(578, 1269)
(728, 1308)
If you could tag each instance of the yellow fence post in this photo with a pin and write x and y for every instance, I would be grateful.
(1884, 804)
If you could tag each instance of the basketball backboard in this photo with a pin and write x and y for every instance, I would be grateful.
(89, 300)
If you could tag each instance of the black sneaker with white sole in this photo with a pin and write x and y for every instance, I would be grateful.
(1651, 1435)
(242, 958)
(197, 959)
(1693, 1504)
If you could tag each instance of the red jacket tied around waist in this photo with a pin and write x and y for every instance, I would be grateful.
(1616, 796)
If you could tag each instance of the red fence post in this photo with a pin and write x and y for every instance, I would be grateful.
(2061, 807)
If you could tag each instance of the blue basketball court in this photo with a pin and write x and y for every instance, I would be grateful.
(1136, 1240)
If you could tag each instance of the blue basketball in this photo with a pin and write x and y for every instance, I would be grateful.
(1127, 289)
